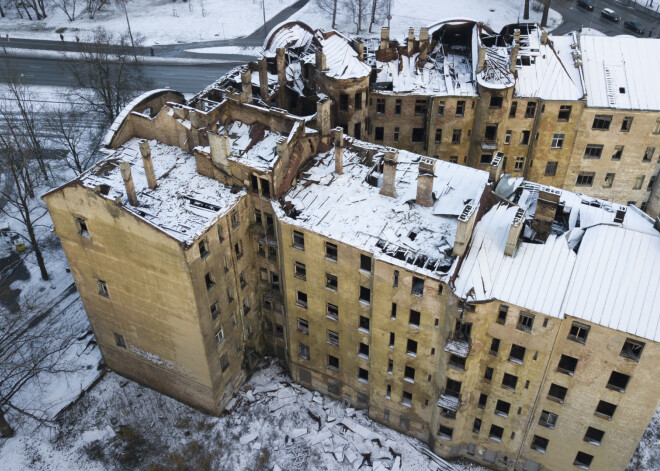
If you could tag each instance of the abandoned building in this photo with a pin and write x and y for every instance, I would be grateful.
(509, 322)
(577, 112)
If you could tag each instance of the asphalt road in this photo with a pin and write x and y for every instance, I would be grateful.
(576, 17)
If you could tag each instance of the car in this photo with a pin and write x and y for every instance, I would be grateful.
(634, 26)
(610, 14)
(586, 4)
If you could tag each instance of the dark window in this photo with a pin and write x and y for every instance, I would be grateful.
(564, 113)
(303, 326)
(299, 240)
(438, 135)
(411, 346)
(632, 349)
(420, 107)
(301, 299)
(333, 363)
(343, 102)
(530, 111)
(618, 152)
(332, 311)
(363, 350)
(330, 251)
(365, 263)
(583, 460)
(626, 124)
(605, 410)
(414, 318)
(299, 270)
(441, 108)
(648, 154)
(363, 323)
(483, 399)
(380, 105)
(496, 102)
(548, 419)
(418, 135)
(332, 338)
(445, 432)
(234, 219)
(119, 340)
(551, 169)
(331, 281)
(363, 375)
(602, 122)
(525, 322)
(460, 108)
(618, 381)
(524, 139)
(456, 136)
(215, 311)
(303, 351)
(224, 363)
(585, 179)
(391, 339)
(379, 133)
(417, 286)
(390, 366)
(457, 362)
(82, 227)
(507, 138)
(208, 279)
(485, 159)
(453, 159)
(395, 136)
(397, 106)
(103, 288)
(365, 295)
(265, 188)
(496, 433)
(393, 315)
(513, 109)
(578, 332)
(567, 365)
(539, 443)
(409, 374)
(488, 374)
(358, 101)
(609, 180)
(501, 315)
(257, 218)
(593, 151)
(509, 381)
(476, 426)
(494, 346)
(594, 436)
(502, 408)
(357, 130)
(395, 283)
(557, 393)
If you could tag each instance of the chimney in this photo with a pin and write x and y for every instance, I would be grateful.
(283, 151)
(148, 164)
(246, 86)
(656, 224)
(389, 173)
(514, 58)
(425, 181)
(220, 150)
(495, 169)
(464, 229)
(263, 79)
(320, 61)
(546, 209)
(423, 43)
(482, 59)
(338, 134)
(323, 121)
(516, 36)
(281, 76)
(544, 37)
(514, 232)
(125, 169)
(411, 41)
(358, 47)
(384, 38)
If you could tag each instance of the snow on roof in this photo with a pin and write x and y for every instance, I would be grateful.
(252, 145)
(621, 72)
(548, 71)
(288, 35)
(349, 208)
(183, 205)
(341, 60)
(615, 281)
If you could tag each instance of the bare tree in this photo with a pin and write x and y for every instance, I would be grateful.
(94, 6)
(70, 128)
(67, 6)
(358, 9)
(329, 7)
(108, 73)
(32, 342)
(374, 4)
(546, 10)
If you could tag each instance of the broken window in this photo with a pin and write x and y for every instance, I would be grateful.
(234, 219)
(333, 363)
(330, 251)
(333, 338)
(331, 282)
(456, 136)
(444, 432)
(238, 249)
(557, 141)
(438, 135)
(255, 183)
(567, 365)
(453, 388)
(578, 332)
(548, 419)
(234, 324)
(365, 295)
(299, 270)
(303, 351)
(476, 426)
(539, 443)
(246, 305)
(411, 346)
(557, 393)
(460, 107)
(618, 381)
(490, 134)
(517, 354)
(332, 312)
(609, 180)
(343, 102)
(119, 340)
(421, 107)
(632, 349)
(391, 340)
(594, 436)
(261, 250)
(417, 286)
(390, 366)
(397, 106)
(441, 108)
(395, 136)
(358, 101)
(525, 322)
(483, 400)
(418, 134)
(519, 164)
(496, 433)
(618, 152)
(639, 181)
(102, 288)
(626, 124)
(583, 460)
(395, 284)
(224, 363)
(265, 188)
(357, 130)
(507, 138)
(551, 169)
(496, 101)
(602, 122)
(494, 346)
(81, 225)
(530, 111)
(457, 362)
(242, 280)
(524, 138)
(453, 159)
(301, 299)
(414, 318)
(585, 179)
(219, 337)
(299, 240)
(501, 315)
(513, 109)
(564, 113)
(648, 154)
(230, 295)
(509, 381)
(379, 133)
(593, 151)
(485, 159)
(488, 374)
(380, 105)
(215, 311)
(208, 279)
(363, 351)
(303, 326)
(388, 391)
(365, 263)
(363, 375)
(363, 324)
(409, 374)
(502, 408)
(257, 218)
(649, 187)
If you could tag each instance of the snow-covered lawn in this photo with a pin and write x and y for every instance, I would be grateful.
(159, 21)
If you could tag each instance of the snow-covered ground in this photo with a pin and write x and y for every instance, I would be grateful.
(159, 21)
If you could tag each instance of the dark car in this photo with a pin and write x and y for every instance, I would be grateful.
(634, 26)
(586, 4)
(609, 14)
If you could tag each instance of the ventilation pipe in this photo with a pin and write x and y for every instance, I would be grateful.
(145, 150)
(514, 232)
(338, 133)
(425, 181)
(389, 173)
(126, 175)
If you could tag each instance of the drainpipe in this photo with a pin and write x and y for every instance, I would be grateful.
(532, 145)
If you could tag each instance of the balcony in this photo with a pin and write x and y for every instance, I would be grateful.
(489, 144)
(449, 399)
(459, 344)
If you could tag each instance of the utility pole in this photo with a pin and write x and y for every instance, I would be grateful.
(263, 8)
(130, 33)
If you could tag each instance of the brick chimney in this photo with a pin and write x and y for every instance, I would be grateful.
(495, 169)
(546, 209)
(389, 173)
(246, 86)
(220, 150)
(514, 232)
(411, 41)
(323, 120)
(482, 59)
(280, 60)
(423, 43)
(514, 58)
(320, 61)
(263, 79)
(126, 175)
(384, 38)
(464, 229)
(516, 36)
(425, 181)
(338, 134)
(544, 37)
(145, 150)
